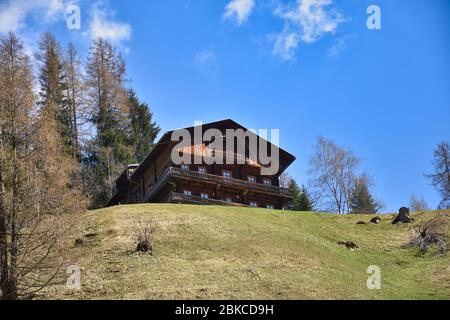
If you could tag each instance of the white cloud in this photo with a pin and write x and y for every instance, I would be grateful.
(56, 9)
(285, 44)
(339, 45)
(306, 21)
(13, 13)
(239, 10)
(14, 16)
(206, 62)
(205, 57)
(102, 25)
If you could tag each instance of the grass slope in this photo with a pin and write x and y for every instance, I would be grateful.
(209, 252)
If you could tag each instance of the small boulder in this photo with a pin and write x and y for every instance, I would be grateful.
(403, 216)
(376, 220)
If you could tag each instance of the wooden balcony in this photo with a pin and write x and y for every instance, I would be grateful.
(182, 198)
(217, 181)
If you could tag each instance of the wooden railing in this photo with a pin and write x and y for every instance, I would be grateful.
(161, 180)
(184, 174)
(230, 181)
(196, 199)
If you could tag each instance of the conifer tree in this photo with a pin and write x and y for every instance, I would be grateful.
(301, 199)
(75, 96)
(143, 130)
(109, 152)
(53, 86)
(34, 178)
(362, 200)
(16, 102)
(53, 139)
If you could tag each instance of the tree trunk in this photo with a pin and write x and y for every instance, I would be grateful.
(13, 293)
(4, 276)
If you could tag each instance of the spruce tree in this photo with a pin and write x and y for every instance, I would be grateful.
(143, 130)
(362, 200)
(301, 200)
(306, 203)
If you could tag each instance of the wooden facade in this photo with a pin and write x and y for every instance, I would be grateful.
(158, 179)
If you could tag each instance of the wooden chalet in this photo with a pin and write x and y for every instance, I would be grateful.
(158, 180)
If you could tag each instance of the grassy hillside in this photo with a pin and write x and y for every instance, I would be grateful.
(208, 252)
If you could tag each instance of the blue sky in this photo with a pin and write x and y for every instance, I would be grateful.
(308, 67)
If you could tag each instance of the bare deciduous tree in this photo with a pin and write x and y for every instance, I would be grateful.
(333, 171)
(284, 180)
(418, 204)
(440, 179)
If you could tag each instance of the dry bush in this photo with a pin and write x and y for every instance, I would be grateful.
(430, 233)
(144, 233)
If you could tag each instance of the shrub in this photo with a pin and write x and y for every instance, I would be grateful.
(430, 233)
(145, 236)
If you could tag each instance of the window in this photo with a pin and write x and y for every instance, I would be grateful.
(253, 204)
(202, 169)
(226, 174)
(269, 206)
(228, 200)
(251, 179)
(187, 193)
(204, 196)
(267, 182)
(184, 167)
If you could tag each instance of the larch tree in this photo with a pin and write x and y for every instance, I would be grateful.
(27, 235)
(53, 140)
(53, 86)
(75, 99)
(16, 102)
(110, 151)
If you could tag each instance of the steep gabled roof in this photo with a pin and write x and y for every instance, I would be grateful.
(286, 159)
